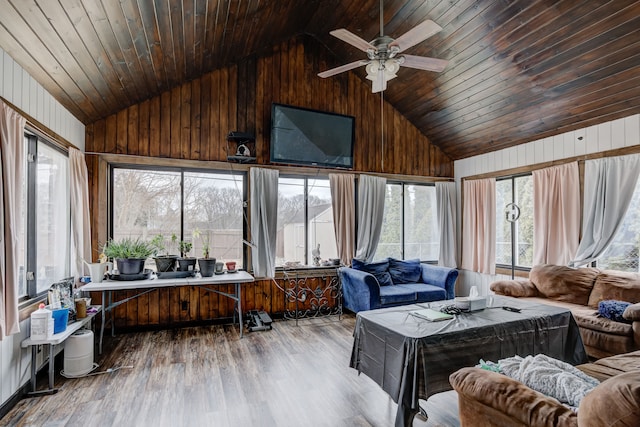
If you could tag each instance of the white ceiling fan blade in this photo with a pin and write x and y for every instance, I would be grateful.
(342, 69)
(352, 39)
(424, 63)
(416, 35)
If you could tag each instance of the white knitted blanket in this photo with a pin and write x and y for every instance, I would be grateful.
(549, 376)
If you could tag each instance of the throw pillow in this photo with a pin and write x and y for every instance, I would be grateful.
(613, 309)
(380, 270)
(405, 271)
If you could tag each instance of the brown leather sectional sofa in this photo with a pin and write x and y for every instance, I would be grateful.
(580, 290)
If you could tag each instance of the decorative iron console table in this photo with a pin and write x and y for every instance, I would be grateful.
(303, 299)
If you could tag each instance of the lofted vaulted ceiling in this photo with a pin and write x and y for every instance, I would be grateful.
(519, 70)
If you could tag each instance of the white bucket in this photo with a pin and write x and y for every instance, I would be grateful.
(78, 353)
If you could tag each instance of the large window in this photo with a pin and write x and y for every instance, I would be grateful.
(192, 206)
(305, 221)
(410, 227)
(622, 253)
(45, 221)
(514, 237)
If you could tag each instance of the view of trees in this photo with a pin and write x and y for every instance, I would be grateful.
(148, 203)
(416, 213)
(623, 254)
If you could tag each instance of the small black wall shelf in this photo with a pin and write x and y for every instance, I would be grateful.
(241, 147)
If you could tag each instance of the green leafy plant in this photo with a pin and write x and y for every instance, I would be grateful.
(129, 248)
(185, 248)
(163, 245)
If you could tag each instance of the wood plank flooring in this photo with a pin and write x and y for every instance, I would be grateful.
(207, 376)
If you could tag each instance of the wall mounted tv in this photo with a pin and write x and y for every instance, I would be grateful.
(302, 136)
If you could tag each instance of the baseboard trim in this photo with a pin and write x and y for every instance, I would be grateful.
(7, 406)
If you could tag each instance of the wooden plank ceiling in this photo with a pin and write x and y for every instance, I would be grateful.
(519, 70)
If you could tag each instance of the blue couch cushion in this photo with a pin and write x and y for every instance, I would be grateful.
(613, 309)
(405, 271)
(395, 295)
(425, 292)
(379, 269)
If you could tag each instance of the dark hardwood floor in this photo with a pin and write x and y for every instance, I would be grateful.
(207, 376)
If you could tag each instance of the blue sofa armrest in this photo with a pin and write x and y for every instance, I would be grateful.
(360, 290)
(443, 277)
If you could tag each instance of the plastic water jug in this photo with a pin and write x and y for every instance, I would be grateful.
(41, 323)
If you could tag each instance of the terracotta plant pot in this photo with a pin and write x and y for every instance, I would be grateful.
(207, 266)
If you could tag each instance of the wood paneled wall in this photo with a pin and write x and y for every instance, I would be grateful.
(191, 122)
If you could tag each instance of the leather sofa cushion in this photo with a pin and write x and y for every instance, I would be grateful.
(589, 319)
(514, 288)
(522, 405)
(614, 403)
(615, 285)
(564, 283)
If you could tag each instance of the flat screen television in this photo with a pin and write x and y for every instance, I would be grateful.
(302, 136)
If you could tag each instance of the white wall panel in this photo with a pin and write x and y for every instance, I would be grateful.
(606, 136)
(20, 89)
(632, 130)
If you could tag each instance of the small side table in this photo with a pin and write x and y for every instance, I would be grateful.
(56, 339)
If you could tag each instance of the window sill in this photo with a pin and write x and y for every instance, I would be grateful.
(27, 307)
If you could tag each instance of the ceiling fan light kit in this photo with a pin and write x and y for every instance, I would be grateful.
(383, 52)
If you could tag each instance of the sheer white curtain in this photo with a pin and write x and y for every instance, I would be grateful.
(446, 212)
(80, 219)
(556, 214)
(12, 170)
(479, 226)
(264, 220)
(609, 184)
(344, 214)
(371, 192)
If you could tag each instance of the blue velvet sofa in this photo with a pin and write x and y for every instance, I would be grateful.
(393, 282)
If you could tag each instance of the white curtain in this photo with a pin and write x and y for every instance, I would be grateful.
(609, 184)
(371, 192)
(344, 214)
(80, 218)
(12, 171)
(479, 226)
(446, 213)
(556, 214)
(264, 220)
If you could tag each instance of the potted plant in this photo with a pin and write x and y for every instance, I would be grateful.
(164, 262)
(185, 262)
(130, 254)
(206, 264)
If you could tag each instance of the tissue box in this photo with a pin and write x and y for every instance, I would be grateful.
(471, 303)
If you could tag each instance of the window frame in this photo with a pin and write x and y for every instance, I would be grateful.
(32, 139)
(181, 171)
(513, 178)
(403, 185)
(306, 178)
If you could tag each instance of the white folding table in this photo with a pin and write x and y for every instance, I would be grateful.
(55, 339)
(143, 287)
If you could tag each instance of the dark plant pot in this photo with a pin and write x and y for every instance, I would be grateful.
(207, 266)
(186, 264)
(130, 265)
(166, 263)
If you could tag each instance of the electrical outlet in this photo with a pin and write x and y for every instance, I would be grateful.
(185, 305)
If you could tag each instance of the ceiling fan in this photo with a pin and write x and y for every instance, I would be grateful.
(383, 53)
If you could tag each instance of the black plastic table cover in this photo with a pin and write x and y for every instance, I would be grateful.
(411, 358)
